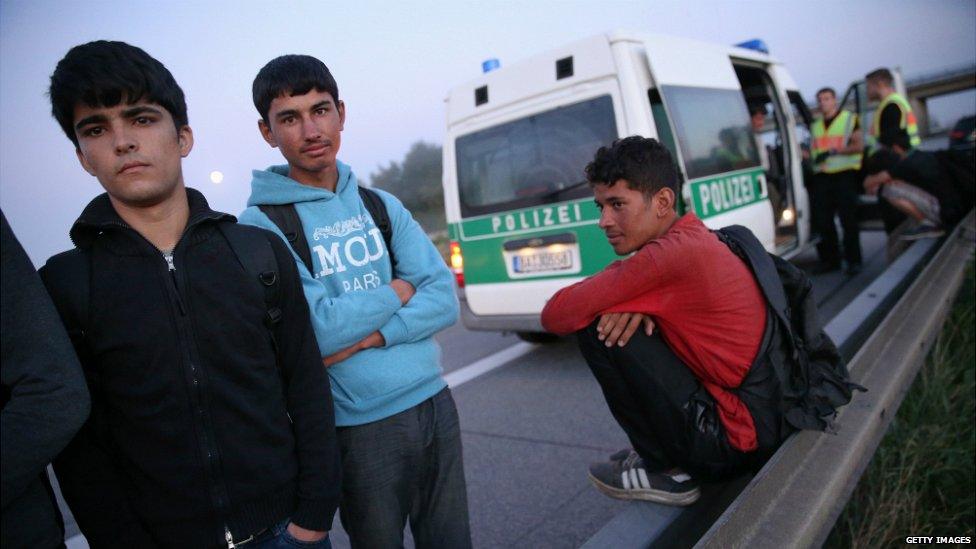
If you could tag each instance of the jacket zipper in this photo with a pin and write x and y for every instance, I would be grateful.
(208, 443)
(171, 265)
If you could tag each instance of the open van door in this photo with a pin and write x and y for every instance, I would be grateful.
(717, 151)
(791, 123)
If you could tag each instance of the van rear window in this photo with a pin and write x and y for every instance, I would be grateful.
(535, 160)
(713, 129)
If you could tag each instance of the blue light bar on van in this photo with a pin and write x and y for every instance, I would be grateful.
(755, 44)
(489, 65)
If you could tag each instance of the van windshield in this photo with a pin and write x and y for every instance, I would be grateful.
(535, 160)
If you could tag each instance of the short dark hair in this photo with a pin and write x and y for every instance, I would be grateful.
(756, 108)
(105, 73)
(827, 89)
(644, 163)
(882, 75)
(292, 75)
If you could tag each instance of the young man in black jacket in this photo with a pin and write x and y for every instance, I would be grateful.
(212, 421)
(44, 401)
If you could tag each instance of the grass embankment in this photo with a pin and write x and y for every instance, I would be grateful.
(921, 480)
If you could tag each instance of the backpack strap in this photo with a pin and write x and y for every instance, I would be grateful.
(744, 244)
(377, 210)
(285, 217)
(257, 258)
(67, 277)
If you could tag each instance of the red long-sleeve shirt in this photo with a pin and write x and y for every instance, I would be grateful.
(704, 300)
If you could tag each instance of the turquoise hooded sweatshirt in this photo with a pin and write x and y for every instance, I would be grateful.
(349, 294)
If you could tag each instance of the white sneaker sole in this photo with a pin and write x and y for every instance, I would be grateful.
(647, 494)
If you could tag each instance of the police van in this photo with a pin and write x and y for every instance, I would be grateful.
(520, 214)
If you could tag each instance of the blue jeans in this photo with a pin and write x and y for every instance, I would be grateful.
(406, 466)
(277, 537)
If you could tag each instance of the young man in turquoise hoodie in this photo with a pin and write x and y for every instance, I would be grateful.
(374, 321)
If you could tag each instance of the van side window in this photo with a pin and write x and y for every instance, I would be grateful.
(664, 134)
(713, 129)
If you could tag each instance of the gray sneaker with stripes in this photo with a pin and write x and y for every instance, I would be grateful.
(625, 477)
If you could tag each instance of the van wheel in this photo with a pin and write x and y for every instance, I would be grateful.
(537, 337)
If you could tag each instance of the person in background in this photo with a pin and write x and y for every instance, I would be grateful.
(892, 118)
(893, 115)
(914, 182)
(757, 120)
(44, 401)
(836, 149)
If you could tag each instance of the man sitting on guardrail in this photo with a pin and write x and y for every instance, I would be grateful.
(708, 349)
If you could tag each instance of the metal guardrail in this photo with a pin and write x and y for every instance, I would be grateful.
(796, 497)
(750, 506)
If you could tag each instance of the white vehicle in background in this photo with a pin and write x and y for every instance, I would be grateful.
(520, 215)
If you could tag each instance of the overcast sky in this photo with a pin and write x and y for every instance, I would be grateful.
(394, 62)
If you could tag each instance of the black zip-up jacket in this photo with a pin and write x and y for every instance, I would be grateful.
(197, 428)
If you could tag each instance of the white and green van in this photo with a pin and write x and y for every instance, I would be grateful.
(520, 215)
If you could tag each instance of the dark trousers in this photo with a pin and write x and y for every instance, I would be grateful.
(406, 466)
(836, 194)
(670, 419)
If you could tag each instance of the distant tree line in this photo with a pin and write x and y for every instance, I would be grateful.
(416, 181)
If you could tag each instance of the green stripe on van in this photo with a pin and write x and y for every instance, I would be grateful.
(719, 194)
(484, 261)
(531, 220)
(482, 238)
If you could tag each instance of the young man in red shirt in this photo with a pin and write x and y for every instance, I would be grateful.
(673, 334)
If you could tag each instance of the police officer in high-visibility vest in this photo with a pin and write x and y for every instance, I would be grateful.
(892, 121)
(835, 151)
(893, 113)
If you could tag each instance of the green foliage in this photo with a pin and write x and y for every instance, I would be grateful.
(921, 480)
(417, 183)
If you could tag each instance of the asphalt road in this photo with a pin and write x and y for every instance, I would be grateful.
(531, 426)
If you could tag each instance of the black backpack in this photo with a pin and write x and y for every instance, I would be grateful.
(286, 218)
(813, 376)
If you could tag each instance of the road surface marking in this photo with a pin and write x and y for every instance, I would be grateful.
(487, 364)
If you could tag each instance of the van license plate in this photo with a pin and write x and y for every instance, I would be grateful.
(539, 262)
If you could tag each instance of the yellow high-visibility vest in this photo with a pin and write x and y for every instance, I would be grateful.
(907, 123)
(835, 137)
